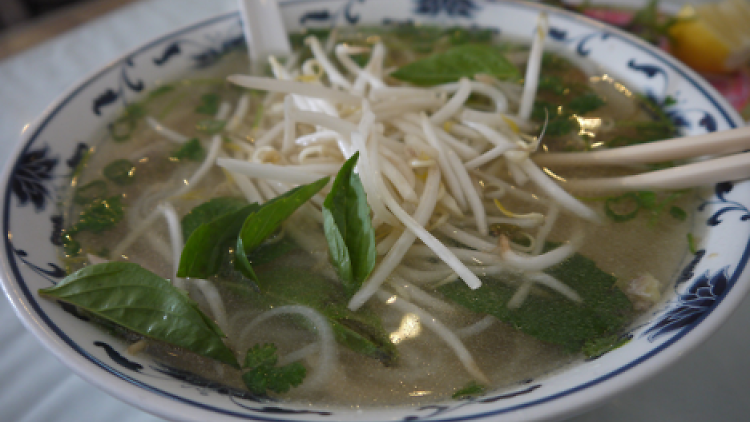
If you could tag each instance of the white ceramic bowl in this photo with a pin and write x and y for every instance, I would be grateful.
(705, 290)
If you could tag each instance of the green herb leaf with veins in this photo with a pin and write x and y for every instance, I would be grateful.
(207, 246)
(263, 374)
(348, 228)
(267, 218)
(138, 300)
(455, 63)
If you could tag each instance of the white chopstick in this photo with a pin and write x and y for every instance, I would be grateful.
(703, 173)
(264, 29)
(715, 143)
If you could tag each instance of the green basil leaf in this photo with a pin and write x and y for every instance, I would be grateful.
(208, 212)
(552, 317)
(207, 248)
(271, 250)
(266, 219)
(458, 62)
(348, 228)
(127, 295)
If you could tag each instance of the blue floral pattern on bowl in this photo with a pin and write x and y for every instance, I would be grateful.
(36, 182)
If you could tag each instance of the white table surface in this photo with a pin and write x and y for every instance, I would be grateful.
(711, 383)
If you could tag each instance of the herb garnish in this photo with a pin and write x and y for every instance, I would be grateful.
(122, 129)
(267, 218)
(207, 246)
(348, 228)
(129, 296)
(120, 171)
(456, 63)
(209, 104)
(264, 375)
(191, 150)
(549, 316)
(90, 192)
(472, 389)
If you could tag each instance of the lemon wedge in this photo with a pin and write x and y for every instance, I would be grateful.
(713, 37)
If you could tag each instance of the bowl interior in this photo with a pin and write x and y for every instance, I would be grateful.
(44, 161)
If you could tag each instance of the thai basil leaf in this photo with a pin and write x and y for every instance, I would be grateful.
(266, 219)
(265, 375)
(208, 246)
(208, 212)
(551, 317)
(361, 331)
(269, 251)
(348, 228)
(129, 296)
(462, 61)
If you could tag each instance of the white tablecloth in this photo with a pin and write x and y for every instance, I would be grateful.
(710, 384)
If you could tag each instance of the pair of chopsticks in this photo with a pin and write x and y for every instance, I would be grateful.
(708, 170)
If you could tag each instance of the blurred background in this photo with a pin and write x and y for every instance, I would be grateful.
(25, 23)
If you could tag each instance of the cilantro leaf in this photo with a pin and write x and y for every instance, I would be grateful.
(552, 317)
(264, 375)
(348, 228)
(125, 294)
(455, 63)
